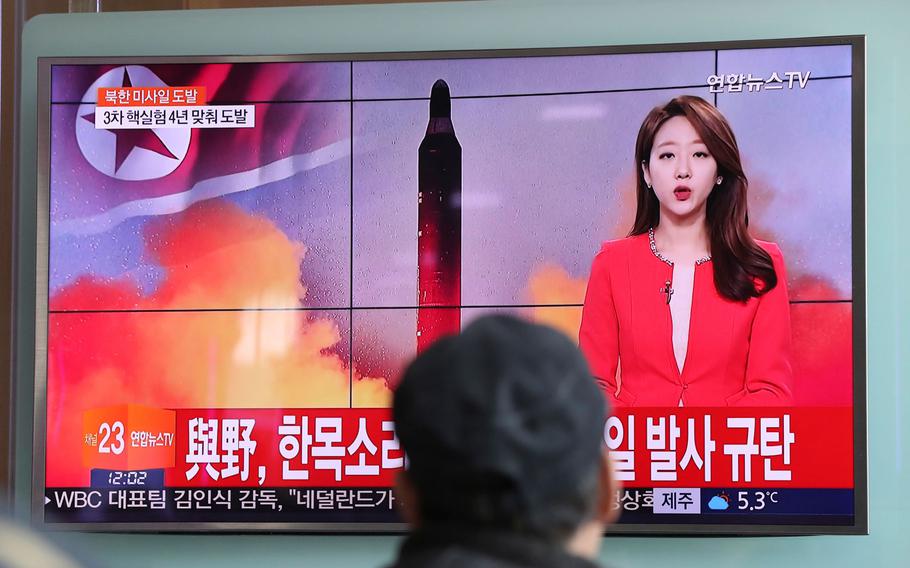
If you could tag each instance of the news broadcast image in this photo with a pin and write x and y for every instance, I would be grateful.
(244, 255)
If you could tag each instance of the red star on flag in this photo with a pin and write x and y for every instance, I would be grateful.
(127, 139)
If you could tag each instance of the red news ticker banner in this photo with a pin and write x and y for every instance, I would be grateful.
(150, 96)
(732, 447)
(325, 447)
(344, 447)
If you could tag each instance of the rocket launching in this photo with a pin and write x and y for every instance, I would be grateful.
(438, 224)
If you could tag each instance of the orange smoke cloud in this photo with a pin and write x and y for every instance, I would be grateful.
(551, 284)
(215, 256)
(822, 347)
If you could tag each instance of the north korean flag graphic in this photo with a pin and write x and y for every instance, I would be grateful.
(129, 154)
(109, 176)
(107, 186)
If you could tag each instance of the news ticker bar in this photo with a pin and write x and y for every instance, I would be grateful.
(684, 447)
(136, 504)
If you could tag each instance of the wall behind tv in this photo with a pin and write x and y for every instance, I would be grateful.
(522, 24)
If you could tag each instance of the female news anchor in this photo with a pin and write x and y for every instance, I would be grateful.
(689, 309)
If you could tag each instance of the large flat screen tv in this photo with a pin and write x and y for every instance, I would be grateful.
(238, 255)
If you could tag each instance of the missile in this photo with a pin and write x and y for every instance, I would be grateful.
(438, 224)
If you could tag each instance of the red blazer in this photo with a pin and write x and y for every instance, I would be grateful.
(738, 353)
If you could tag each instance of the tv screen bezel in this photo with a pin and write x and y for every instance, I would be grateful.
(858, 209)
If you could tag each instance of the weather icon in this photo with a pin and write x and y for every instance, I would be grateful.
(719, 502)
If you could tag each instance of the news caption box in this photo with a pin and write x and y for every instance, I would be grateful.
(128, 437)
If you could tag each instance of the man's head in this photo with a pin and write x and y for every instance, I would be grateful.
(503, 426)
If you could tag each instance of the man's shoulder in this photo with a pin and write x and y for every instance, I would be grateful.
(452, 557)
(483, 550)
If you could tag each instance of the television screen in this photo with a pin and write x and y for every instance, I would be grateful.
(243, 253)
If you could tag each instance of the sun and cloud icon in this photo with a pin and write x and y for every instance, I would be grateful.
(720, 502)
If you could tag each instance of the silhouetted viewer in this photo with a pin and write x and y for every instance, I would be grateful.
(503, 429)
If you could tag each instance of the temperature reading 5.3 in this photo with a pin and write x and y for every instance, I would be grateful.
(755, 500)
